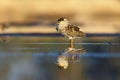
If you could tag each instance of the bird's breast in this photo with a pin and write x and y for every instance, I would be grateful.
(61, 29)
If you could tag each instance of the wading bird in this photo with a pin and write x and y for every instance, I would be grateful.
(69, 30)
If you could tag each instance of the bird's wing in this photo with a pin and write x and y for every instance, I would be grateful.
(74, 31)
(76, 28)
(73, 28)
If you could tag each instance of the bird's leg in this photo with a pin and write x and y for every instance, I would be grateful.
(71, 43)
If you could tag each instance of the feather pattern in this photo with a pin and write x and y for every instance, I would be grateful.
(68, 30)
(74, 31)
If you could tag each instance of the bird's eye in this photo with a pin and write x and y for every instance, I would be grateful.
(60, 19)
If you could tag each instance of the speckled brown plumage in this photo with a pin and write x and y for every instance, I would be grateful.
(74, 31)
(68, 30)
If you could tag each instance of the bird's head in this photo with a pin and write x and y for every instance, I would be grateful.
(62, 21)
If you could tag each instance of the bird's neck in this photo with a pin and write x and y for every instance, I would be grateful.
(63, 25)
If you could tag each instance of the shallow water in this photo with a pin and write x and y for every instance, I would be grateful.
(35, 58)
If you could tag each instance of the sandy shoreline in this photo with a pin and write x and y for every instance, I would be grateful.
(52, 29)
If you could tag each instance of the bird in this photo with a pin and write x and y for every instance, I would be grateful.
(69, 30)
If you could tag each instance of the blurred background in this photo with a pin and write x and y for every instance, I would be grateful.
(34, 56)
(40, 16)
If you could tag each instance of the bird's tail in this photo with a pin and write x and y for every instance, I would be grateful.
(82, 34)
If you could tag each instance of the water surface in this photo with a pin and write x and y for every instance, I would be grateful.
(35, 58)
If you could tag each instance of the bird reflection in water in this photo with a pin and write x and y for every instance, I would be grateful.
(69, 55)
